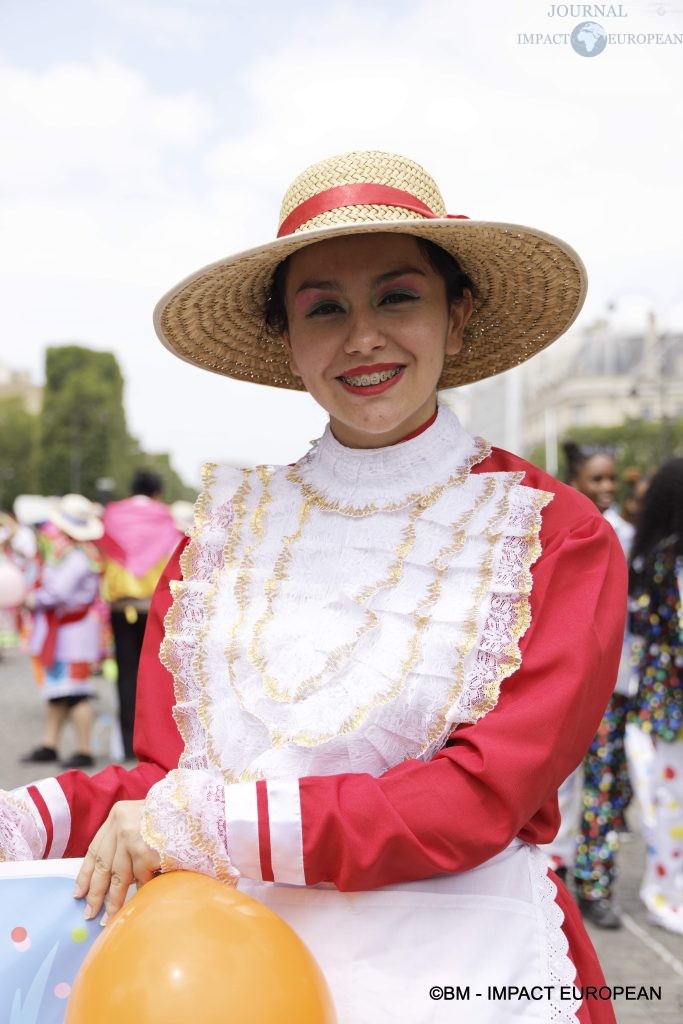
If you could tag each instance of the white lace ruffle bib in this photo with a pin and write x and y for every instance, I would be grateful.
(344, 614)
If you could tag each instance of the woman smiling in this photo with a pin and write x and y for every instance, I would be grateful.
(378, 663)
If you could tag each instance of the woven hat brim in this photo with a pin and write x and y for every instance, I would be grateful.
(93, 531)
(531, 288)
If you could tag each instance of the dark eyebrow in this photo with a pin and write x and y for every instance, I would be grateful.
(333, 285)
(336, 286)
(399, 272)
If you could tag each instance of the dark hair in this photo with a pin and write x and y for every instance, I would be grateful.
(578, 454)
(146, 482)
(442, 262)
(661, 515)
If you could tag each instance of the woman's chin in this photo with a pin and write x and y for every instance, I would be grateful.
(374, 433)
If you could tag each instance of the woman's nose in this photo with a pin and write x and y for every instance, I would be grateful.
(364, 333)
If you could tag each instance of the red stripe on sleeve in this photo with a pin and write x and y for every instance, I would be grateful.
(38, 800)
(264, 832)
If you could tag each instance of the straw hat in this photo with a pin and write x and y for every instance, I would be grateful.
(76, 516)
(531, 285)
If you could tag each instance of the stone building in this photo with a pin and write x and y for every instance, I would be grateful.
(597, 375)
(18, 384)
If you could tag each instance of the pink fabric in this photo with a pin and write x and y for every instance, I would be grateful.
(138, 533)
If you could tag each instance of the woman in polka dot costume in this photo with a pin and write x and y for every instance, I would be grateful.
(656, 584)
(605, 788)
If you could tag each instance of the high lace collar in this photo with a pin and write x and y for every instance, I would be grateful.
(360, 481)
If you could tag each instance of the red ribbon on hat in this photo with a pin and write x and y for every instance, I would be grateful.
(361, 194)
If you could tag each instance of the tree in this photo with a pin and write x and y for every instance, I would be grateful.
(160, 463)
(85, 445)
(19, 432)
(83, 424)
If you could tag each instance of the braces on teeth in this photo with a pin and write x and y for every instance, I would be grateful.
(366, 379)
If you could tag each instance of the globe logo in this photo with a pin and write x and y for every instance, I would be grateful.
(588, 39)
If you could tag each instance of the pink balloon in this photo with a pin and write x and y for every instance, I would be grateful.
(12, 585)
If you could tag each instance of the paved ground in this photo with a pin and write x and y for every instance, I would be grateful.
(639, 954)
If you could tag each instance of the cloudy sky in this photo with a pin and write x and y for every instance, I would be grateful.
(142, 139)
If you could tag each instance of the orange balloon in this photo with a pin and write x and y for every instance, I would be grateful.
(188, 949)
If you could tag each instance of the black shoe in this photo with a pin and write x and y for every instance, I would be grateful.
(600, 912)
(79, 761)
(41, 755)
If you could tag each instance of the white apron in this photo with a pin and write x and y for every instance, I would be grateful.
(383, 952)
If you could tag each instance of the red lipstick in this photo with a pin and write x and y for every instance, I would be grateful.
(371, 389)
(356, 371)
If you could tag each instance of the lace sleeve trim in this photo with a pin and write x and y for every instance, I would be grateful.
(185, 624)
(509, 612)
(184, 821)
(19, 836)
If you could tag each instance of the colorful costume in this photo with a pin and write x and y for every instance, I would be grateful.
(605, 794)
(605, 783)
(657, 625)
(65, 636)
(386, 661)
(139, 537)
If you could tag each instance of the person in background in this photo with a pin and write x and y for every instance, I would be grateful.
(640, 751)
(64, 639)
(656, 620)
(139, 536)
(636, 483)
(593, 471)
(12, 584)
(606, 789)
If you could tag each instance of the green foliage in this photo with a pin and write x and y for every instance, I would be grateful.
(637, 444)
(173, 487)
(83, 421)
(18, 451)
(84, 440)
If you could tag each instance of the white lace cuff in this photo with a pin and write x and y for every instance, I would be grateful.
(19, 836)
(184, 821)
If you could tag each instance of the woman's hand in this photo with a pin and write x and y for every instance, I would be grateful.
(117, 857)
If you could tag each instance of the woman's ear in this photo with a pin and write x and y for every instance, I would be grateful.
(459, 315)
(288, 345)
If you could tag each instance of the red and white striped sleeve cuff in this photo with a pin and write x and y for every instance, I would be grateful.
(51, 815)
(265, 836)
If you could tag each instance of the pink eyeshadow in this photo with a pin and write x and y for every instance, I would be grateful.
(305, 298)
